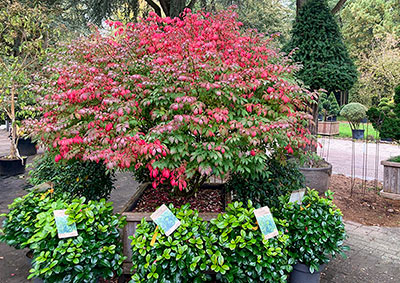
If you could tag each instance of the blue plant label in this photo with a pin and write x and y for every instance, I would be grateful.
(297, 196)
(165, 219)
(63, 229)
(266, 222)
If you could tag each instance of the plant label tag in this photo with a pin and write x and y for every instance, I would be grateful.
(63, 229)
(266, 222)
(297, 196)
(164, 218)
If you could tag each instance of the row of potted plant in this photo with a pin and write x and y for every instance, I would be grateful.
(233, 247)
(230, 246)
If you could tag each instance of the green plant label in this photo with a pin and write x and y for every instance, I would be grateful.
(266, 222)
(63, 229)
(297, 196)
(165, 219)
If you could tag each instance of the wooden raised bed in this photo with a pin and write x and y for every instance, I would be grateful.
(391, 180)
(328, 128)
(134, 218)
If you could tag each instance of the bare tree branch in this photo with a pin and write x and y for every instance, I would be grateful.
(156, 8)
(338, 6)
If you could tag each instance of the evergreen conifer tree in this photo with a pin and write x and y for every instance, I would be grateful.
(321, 51)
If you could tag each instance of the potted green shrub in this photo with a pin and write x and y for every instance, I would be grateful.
(23, 39)
(354, 113)
(316, 171)
(19, 222)
(180, 257)
(240, 253)
(328, 107)
(316, 232)
(96, 252)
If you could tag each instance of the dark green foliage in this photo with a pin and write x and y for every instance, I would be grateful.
(316, 229)
(246, 255)
(95, 253)
(19, 223)
(180, 257)
(386, 117)
(79, 178)
(264, 190)
(395, 159)
(321, 51)
(328, 105)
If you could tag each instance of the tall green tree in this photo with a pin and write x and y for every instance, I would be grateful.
(320, 49)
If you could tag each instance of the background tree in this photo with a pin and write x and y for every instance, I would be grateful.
(321, 51)
(25, 34)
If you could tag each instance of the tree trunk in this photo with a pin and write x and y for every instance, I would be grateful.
(13, 148)
(176, 8)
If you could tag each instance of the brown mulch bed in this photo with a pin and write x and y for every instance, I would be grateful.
(364, 206)
(206, 200)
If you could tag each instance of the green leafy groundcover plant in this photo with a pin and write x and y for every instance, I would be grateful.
(95, 253)
(316, 229)
(180, 257)
(264, 189)
(243, 253)
(79, 178)
(19, 223)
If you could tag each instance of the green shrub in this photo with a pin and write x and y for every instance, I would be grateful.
(180, 257)
(316, 229)
(354, 112)
(95, 253)
(19, 222)
(239, 252)
(328, 105)
(79, 178)
(264, 190)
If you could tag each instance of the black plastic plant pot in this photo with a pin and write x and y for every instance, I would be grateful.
(12, 167)
(26, 147)
(301, 274)
(357, 134)
(387, 139)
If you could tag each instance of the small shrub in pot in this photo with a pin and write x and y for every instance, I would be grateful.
(245, 256)
(95, 253)
(315, 228)
(180, 257)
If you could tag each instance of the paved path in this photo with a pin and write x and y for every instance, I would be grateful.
(339, 153)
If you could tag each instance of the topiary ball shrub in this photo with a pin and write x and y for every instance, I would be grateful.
(95, 253)
(315, 229)
(19, 222)
(180, 257)
(79, 178)
(354, 113)
(264, 189)
(239, 252)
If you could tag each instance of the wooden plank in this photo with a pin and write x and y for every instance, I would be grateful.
(386, 179)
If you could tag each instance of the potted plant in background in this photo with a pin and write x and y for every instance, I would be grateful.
(316, 233)
(316, 171)
(329, 108)
(23, 40)
(354, 113)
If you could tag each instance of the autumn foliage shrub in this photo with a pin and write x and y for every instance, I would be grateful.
(182, 98)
